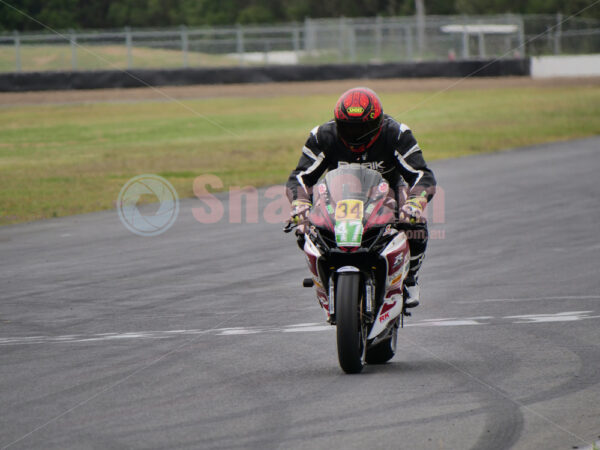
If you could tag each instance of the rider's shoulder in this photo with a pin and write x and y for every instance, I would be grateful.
(324, 134)
(394, 127)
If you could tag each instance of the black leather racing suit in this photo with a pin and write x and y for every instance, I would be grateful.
(395, 154)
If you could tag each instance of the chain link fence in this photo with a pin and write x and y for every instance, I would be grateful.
(315, 41)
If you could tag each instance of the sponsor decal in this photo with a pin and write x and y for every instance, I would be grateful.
(379, 166)
(384, 317)
(383, 187)
(349, 209)
(387, 306)
(348, 233)
(398, 278)
(398, 260)
(355, 110)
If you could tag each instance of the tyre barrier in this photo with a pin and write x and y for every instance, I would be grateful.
(102, 79)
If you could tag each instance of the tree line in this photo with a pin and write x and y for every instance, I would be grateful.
(81, 14)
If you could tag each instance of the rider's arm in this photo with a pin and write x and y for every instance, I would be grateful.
(411, 164)
(311, 166)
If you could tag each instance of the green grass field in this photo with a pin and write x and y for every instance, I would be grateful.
(58, 160)
(102, 57)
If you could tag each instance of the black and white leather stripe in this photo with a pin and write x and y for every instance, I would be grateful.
(315, 165)
(419, 173)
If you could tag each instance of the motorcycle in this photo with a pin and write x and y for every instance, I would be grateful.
(358, 257)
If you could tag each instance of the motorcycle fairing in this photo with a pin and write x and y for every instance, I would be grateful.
(397, 257)
(312, 255)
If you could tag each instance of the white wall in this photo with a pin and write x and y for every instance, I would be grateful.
(565, 66)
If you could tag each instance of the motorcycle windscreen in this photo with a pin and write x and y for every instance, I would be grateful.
(349, 200)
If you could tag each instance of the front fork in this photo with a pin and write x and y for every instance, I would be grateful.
(331, 295)
(369, 306)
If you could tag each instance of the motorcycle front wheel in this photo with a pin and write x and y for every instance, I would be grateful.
(351, 336)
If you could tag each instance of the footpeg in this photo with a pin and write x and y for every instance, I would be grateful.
(308, 282)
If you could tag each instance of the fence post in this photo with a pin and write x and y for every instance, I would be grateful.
(239, 43)
(17, 39)
(296, 41)
(549, 34)
(184, 45)
(73, 49)
(128, 45)
(267, 49)
(341, 29)
(420, 12)
(465, 43)
(309, 35)
(409, 43)
(352, 40)
(558, 34)
(378, 37)
(481, 42)
(523, 50)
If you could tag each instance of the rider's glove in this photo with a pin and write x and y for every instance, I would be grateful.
(412, 210)
(300, 210)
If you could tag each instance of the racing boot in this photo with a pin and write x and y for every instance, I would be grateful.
(417, 242)
(412, 292)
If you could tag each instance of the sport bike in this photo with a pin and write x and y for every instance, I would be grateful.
(358, 257)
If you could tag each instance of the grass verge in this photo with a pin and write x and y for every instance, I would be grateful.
(101, 57)
(57, 160)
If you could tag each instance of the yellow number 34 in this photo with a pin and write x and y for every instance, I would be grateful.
(349, 210)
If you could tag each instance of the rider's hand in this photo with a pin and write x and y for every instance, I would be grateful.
(412, 211)
(300, 210)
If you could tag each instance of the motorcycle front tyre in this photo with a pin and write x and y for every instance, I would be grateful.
(350, 339)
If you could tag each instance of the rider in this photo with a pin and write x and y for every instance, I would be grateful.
(361, 133)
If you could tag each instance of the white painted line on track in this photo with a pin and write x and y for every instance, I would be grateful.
(567, 316)
(559, 317)
(529, 299)
(304, 329)
(239, 331)
(444, 323)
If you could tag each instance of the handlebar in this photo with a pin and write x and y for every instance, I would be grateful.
(289, 227)
(400, 226)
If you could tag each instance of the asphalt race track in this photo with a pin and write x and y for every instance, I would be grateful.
(203, 338)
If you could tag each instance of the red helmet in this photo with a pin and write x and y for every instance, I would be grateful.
(358, 117)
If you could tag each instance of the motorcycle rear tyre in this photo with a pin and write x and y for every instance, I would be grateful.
(350, 341)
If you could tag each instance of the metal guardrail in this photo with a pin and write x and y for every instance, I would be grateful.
(315, 41)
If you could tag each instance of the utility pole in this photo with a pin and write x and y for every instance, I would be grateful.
(420, 11)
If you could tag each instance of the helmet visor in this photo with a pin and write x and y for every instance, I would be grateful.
(357, 133)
